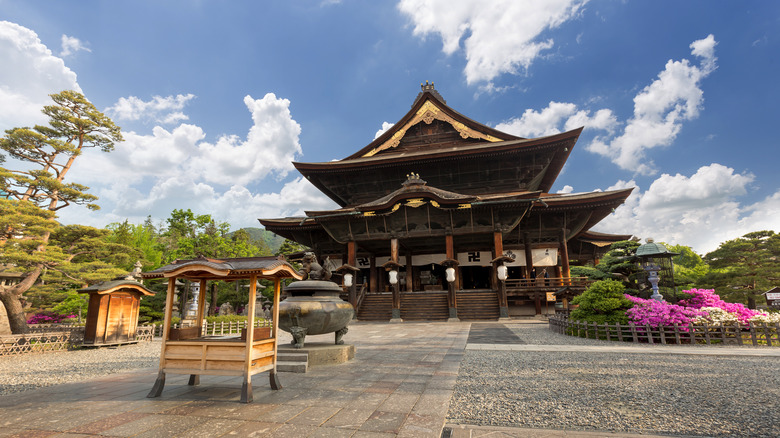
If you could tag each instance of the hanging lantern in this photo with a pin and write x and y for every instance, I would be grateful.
(450, 274)
(393, 276)
(501, 271)
(348, 280)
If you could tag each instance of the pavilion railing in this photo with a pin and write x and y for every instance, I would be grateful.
(221, 328)
(751, 334)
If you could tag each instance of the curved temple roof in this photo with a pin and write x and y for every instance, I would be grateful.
(204, 268)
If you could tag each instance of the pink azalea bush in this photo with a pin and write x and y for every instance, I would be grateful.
(47, 317)
(704, 305)
(660, 313)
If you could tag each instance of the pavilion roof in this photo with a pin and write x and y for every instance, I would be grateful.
(226, 269)
(107, 287)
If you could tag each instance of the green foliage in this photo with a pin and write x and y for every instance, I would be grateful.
(143, 237)
(225, 318)
(603, 302)
(74, 304)
(587, 271)
(743, 268)
(620, 262)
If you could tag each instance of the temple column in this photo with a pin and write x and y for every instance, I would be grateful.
(566, 272)
(409, 273)
(396, 316)
(452, 287)
(372, 271)
(529, 260)
(498, 247)
(352, 261)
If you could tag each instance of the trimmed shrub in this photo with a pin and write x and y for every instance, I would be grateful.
(603, 303)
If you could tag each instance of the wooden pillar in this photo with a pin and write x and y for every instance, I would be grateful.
(160, 382)
(352, 261)
(498, 248)
(558, 275)
(529, 260)
(246, 386)
(538, 302)
(372, 271)
(275, 384)
(394, 287)
(452, 288)
(566, 272)
(195, 378)
(409, 273)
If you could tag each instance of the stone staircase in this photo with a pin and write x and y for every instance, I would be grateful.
(292, 362)
(376, 307)
(478, 305)
(424, 306)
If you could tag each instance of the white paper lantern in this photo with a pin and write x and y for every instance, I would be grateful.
(393, 277)
(347, 280)
(450, 274)
(502, 272)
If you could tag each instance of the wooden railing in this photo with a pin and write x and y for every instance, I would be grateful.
(752, 334)
(361, 296)
(541, 282)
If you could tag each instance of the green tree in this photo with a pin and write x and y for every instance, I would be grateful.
(620, 262)
(143, 237)
(603, 303)
(746, 267)
(689, 267)
(42, 157)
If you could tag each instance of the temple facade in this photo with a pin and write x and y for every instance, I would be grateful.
(443, 217)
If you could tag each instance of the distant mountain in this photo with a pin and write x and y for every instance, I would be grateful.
(273, 241)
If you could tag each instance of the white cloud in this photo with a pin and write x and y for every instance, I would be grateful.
(71, 45)
(558, 117)
(501, 36)
(271, 146)
(701, 210)
(166, 110)
(29, 74)
(385, 127)
(659, 110)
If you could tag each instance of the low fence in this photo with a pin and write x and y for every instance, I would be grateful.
(44, 338)
(753, 334)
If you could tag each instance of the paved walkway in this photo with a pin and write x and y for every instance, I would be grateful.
(399, 384)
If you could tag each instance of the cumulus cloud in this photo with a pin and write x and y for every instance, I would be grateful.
(660, 109)
(701, 210)
(385, 127)
(71, 45)
(29, 74)
(558, 117)
(501, 36)
(166, 110)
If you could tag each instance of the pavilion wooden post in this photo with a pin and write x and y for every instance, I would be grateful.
(274, 378)
(160, 382)
(195, 378)
(246, 386)
(566, 271)
(529, 259)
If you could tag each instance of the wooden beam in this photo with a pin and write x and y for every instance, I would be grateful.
(529, 259)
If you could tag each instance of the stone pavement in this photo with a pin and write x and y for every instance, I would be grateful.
(399, 384)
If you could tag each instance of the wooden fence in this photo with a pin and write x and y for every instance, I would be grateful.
(219, 328)
(753, 334)
(55, 337)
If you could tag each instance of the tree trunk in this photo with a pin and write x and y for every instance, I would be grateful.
(751, 301)
(13, 307)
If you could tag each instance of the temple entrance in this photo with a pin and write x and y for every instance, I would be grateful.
(476, 277)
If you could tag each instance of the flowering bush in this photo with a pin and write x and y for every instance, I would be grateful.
(707, 298)
(768, 318)
(717, 317)
(660, 313)
(46, 317)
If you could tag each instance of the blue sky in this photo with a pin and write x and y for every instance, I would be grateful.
(679, 99)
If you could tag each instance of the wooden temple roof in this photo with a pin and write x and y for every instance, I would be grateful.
(450, 150)
(203, 268)
(108, 287)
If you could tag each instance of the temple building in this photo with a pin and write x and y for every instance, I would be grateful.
(443, 217)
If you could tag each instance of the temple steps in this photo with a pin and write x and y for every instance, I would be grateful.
(424, 306)
(478, 305)
(376, 307)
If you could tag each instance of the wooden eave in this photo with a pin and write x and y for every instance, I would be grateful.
(116, 285)
(226, 269)
(430, 98)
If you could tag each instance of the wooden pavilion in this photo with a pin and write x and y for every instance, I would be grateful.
(112, 312)
(439, 191)
(188, 351)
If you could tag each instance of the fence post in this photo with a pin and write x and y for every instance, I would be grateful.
(767, 335)
(677, 333)
(662, 333)
(633, 332)
(620, 332)
(753, 336)
(650, 339)
(738, 333)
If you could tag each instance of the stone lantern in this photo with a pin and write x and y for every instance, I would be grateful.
(656, 261)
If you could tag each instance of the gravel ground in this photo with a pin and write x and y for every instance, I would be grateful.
(714, 396)
(29, 371)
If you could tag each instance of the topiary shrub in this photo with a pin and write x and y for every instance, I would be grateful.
(603, 303)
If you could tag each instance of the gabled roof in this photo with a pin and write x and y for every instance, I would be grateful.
(108, 287)
(429, 106)
(225, 269)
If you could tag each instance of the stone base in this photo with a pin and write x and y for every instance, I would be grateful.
(321, 353)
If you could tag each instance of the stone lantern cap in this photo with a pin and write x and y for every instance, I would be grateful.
(652, 249)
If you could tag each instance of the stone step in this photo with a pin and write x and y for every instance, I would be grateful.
(292, 357)
(292, 367)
